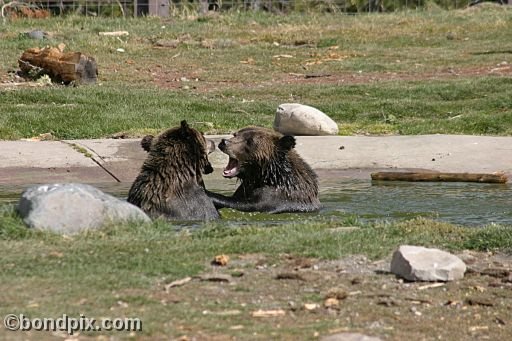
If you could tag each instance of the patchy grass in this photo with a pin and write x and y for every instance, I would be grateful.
(399, 73)
(470, 106)
(121, 271)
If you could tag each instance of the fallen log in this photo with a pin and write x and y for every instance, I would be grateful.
(61, 67)
(432, 176)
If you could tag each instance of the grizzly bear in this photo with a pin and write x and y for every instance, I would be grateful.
(274, 178)
(170, 183)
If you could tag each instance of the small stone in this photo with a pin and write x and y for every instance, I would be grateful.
(72, 208)
(299, 119)
(415, 263)
(331, 302)
(311, 306)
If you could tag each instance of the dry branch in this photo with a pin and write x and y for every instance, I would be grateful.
(114, 34)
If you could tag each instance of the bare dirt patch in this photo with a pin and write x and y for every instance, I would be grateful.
(290, 297)
(174, 80)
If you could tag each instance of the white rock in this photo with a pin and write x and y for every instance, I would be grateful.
(416, 263)
(71, 208)
(299, 119)
(349, 337)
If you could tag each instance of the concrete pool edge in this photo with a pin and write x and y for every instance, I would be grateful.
(119, 160)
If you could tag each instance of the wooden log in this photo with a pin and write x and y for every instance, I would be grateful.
(61, 67)
(432, 176)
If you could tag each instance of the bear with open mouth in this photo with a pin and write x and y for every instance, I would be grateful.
(274, 178)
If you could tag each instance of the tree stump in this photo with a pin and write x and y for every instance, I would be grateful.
(61, 67)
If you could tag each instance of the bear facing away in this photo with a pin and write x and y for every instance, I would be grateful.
(170, 183)
(274, 178)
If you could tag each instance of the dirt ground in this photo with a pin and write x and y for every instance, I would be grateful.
(290, 297)
(169, 79)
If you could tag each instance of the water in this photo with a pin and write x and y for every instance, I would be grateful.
(468, 204)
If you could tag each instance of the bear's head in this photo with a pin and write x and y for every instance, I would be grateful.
(183, 146)
(254, 148)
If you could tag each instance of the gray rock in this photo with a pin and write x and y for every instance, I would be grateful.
(349, 337)
(299, 119)
(37, 34)
(416, 263)
(72, 208)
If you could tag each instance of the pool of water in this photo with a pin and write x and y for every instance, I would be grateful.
(469, 204)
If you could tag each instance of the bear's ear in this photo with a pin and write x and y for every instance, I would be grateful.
(286, 142)
(146, 142)
(184, 125)
(185, 129)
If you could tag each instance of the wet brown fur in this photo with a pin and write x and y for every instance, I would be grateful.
(274, 178)
(170, 183)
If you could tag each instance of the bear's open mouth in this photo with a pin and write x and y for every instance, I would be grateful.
(232, 169)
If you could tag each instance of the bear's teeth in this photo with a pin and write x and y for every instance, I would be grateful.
(231, 169)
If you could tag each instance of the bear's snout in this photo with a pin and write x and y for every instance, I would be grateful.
(208, 169)
(222, 144)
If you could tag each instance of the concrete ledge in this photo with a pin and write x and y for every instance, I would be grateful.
(111, 160)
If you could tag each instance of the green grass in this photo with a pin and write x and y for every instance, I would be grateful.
(389, 73)
(92, 272)
(477, 106)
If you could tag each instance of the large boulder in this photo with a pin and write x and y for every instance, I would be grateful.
(72, 208)
(299, 119)
(416, 263)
